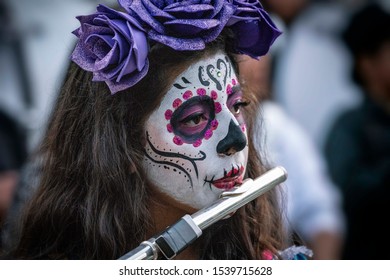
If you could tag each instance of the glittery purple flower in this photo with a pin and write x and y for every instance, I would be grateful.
(254, 29)
(181, 24)
(113, 46)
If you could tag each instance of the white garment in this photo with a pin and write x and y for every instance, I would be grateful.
(312, 75)
(313, 202)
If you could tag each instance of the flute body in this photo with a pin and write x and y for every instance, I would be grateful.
(179, 236)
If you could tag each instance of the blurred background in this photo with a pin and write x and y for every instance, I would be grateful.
(35, 45)
(311, 73)
(36, 42)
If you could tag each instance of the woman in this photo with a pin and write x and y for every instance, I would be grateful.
(168, 131)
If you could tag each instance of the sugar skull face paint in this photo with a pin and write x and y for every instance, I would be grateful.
(196, 140)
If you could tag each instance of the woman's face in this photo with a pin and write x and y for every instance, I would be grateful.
(196, 140)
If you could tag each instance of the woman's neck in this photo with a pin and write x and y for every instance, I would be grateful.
(164, 215)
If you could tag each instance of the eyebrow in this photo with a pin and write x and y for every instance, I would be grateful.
(235, 89)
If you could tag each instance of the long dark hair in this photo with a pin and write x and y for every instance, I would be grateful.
(92, 202)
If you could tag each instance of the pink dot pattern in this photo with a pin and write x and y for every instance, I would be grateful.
(214, 124)
(201, 91)
(187, 95)
(218, 107)
(208, 134)
(176, 103)
(177, 140)
(168, 114)
(229, 89)
(214, 95)
(197, 143)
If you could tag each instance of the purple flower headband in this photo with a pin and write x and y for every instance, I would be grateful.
(114, 46)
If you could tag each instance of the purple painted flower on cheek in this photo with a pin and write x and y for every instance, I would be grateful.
(253, 27)
(182, 25)
(113, 46)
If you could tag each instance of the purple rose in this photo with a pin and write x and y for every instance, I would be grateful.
(254, 29)
(113, 46)
(182, 25)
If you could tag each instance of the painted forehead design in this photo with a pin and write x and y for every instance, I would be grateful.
(201, 87)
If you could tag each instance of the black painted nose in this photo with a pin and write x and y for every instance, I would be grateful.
(234, 141)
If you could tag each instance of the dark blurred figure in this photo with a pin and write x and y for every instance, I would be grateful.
(13, 153)
(358, 147)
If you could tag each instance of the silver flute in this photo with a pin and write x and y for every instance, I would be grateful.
(177, 237)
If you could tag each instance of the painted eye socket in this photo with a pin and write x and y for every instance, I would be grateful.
(191, 119)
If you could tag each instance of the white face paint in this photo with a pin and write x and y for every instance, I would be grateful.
(196, 140)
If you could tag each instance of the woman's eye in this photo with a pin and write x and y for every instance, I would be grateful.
(194, 120)
(237, 107)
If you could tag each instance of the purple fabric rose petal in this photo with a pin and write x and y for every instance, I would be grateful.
(178, 43)
(191, 27)
(113, 46)
(197, 9)
(254, 29)
(129, 80)
(182, 25)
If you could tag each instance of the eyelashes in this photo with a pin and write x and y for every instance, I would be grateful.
(238, 105)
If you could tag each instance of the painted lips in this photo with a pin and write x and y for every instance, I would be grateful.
(230, 179)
